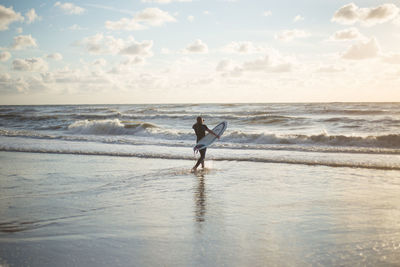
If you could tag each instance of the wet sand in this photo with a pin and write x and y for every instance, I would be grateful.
(82, 210)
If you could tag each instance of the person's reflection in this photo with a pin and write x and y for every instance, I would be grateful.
(200, 199)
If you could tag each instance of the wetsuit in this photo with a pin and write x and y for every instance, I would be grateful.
(200, 130)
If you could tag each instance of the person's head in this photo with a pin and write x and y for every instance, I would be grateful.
(199, 120)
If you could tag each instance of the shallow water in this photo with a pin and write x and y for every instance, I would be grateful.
(90, 210)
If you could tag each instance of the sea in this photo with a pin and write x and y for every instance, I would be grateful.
(359, 135)
(287, 184)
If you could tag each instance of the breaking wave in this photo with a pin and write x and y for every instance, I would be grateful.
(108, 127)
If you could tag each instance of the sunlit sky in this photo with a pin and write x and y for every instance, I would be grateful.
(172, 51)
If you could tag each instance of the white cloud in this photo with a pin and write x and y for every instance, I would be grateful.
(70, 8)
(392, 59)
(10, 85)
(396, 21)
(190, 18)
(289, 35)
(347, 34)
(124, 24)
(133, 61)
(76, 27)
(198, 47)
(23, 41)
(31, 16)
(100, 62)
(225, 65)
(154, 17)
(5, 56)
(330, 69)
(272, 62)
(102, 45)
(165, 51)
(243, 48)
(30, 64)
(55, 56)
(351, 13)
(94, 43)
(148, 16)
(267, 13)
(363, 50)
(8, 16)
(268, 64)
(164, 1)
(4, 77)
(298, 18)
(141, 49)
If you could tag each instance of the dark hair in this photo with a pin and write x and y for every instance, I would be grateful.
(199, 120)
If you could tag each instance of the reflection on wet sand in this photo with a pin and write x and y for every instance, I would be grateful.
(200, 198)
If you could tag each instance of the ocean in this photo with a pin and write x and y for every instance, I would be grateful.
(288, 184)
(364, 135)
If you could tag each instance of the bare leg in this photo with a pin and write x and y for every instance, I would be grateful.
(201, 160)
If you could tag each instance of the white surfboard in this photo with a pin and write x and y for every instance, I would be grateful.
(210, 138)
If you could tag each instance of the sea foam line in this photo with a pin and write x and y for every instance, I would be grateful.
(278, 160)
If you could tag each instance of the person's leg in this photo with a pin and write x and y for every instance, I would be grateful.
(203, 156)
(201, 159)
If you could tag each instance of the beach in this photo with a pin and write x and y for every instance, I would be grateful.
(79, 210)
(312, 184)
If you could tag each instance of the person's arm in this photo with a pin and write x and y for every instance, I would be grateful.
(211, 132)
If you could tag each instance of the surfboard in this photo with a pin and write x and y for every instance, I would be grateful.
(207, 140)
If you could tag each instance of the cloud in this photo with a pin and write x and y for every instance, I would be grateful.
(70, 8)
(190, 18)
(4, 77)
(141, 49)
(363, 50)
(330, 69)
(30, 64)
(273, 62)
(164, 1)
(76, 27)
(31, 16)
(23, 41)
(8, 16)
(267, 13)
(154, 17)
(198, 47)
(243, 48)
(148, 16)
(347, 34)
(102, 45)
(100, 62)
(298, 18)
(289, 35)
(351, 13)
(19, 30)
(55, 56)
(392, 59)
(124, 24)
(267, 64)
(225, 65)
(5, 56)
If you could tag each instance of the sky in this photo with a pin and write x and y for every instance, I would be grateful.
(199, 51)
